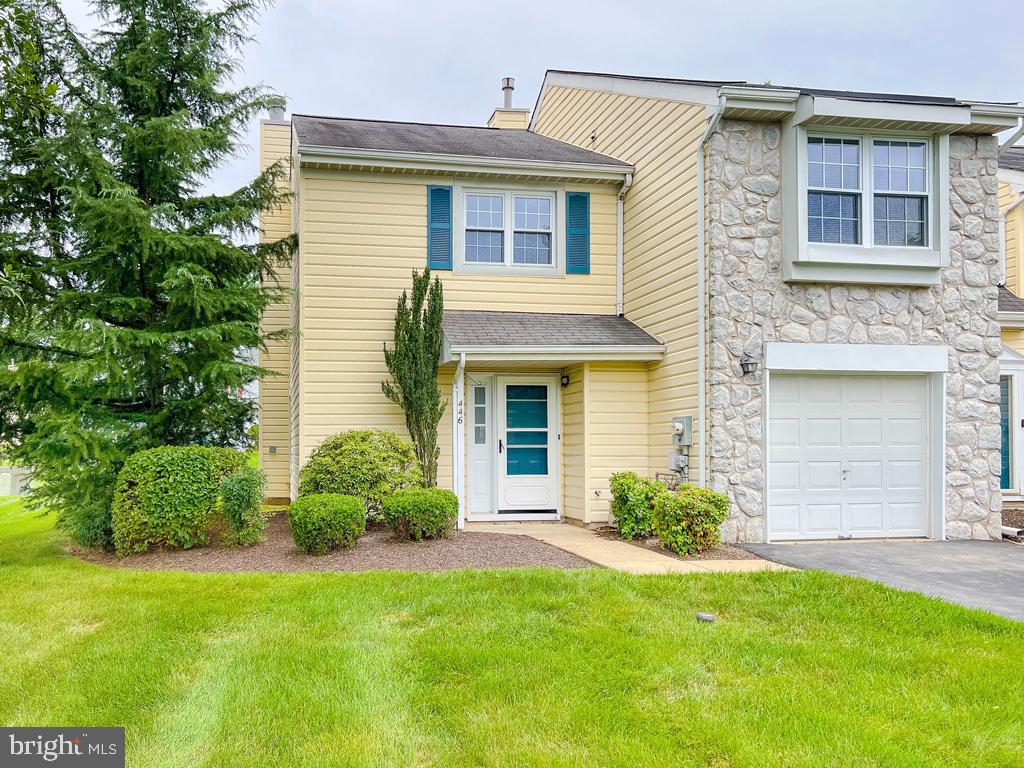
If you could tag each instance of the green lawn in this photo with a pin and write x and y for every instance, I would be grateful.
(501, 668)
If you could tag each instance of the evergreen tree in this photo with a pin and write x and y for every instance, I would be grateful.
(135, 290)
(413, 361)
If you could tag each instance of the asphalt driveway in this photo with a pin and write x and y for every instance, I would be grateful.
(977, 574)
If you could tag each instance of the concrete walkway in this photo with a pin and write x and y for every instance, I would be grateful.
(976, 574)
(618, 554)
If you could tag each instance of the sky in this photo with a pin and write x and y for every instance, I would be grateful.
(442, 61)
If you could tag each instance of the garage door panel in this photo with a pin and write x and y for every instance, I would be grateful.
(824, 433)
(907, 433)
(864, 475)
(906, 475)
(865, 518)
(847, 456)
(824, 518)
(907, 518)
(826, 390)
(785, 432)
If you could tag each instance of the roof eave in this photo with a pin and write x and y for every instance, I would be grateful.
(446, 163)
(765, 104)
(499, 353)
(1013, 320)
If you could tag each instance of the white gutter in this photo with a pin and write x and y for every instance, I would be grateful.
(459, 440)
(556, 352)
(626, 184)
(702, 300)
(1014, 320)
(383, 158)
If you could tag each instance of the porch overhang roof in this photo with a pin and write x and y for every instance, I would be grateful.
(544, 338)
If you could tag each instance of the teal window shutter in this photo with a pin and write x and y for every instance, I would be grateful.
(577, 233)
(439, 227)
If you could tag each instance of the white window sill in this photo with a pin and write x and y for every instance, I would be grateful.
(874, 265)
(504, 269)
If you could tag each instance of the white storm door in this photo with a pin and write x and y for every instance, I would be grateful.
(480, 444)
(527, 443)
(848, 456)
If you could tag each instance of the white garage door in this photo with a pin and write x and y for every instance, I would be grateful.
(847, 456)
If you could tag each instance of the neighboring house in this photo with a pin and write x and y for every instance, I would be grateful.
(809, 277)
(1011, 319)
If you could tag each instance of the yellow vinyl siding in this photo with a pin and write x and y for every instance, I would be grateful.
(1014, 230)
(361, 235)
(1014, 339)
(617, 436)
(574, 439)
(275, 144)
(659, 137)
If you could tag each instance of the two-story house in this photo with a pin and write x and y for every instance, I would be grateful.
(807, 279)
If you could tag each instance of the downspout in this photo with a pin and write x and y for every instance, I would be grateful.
(459, 439)
(702, 439)
(626, 184)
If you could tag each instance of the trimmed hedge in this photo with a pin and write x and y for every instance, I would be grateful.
(368, 463)
(689, 520)
(321, 522)
(422, 513)
(168, 496)
(241, 499)
(632, 501)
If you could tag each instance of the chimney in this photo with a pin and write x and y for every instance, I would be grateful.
(277, 112)
(507, 116)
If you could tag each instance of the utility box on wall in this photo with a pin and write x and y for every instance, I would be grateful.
(682, 430)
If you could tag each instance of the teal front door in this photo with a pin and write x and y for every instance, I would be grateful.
(527, 445)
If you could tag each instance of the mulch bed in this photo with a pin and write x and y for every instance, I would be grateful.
(378, 550)
(721, 552)
(1013, 518)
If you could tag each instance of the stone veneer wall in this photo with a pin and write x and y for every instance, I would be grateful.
(749, 305)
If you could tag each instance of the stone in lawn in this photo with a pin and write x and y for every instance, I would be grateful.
(708, 617)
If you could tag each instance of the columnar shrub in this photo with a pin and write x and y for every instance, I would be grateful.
(632, 501)
(422, 513)
(167, 496)
(321, 522)
(368, 463)
(241, 498)
(689, 520)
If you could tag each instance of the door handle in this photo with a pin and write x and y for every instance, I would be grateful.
(501, 445)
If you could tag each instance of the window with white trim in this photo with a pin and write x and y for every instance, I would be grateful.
(871, 190)
(509, 228)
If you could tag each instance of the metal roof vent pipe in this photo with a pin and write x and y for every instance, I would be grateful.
(508, 84)
(507, 116)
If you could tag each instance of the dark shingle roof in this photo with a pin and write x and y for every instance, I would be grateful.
(892, 98)
(486, 328)
(458, 140)
(1012, 158)
(1008, 301)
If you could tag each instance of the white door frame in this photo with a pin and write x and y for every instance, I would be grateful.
(877, 359)
(1011, 363)
(554, 449)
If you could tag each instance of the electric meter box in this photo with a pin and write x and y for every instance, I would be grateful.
(682, 430)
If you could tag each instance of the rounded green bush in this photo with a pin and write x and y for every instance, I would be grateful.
(632, 501)
(167, 496)
(689, 520)
(241, 499)
(422, 513)
(368, 463)
(321, 522)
